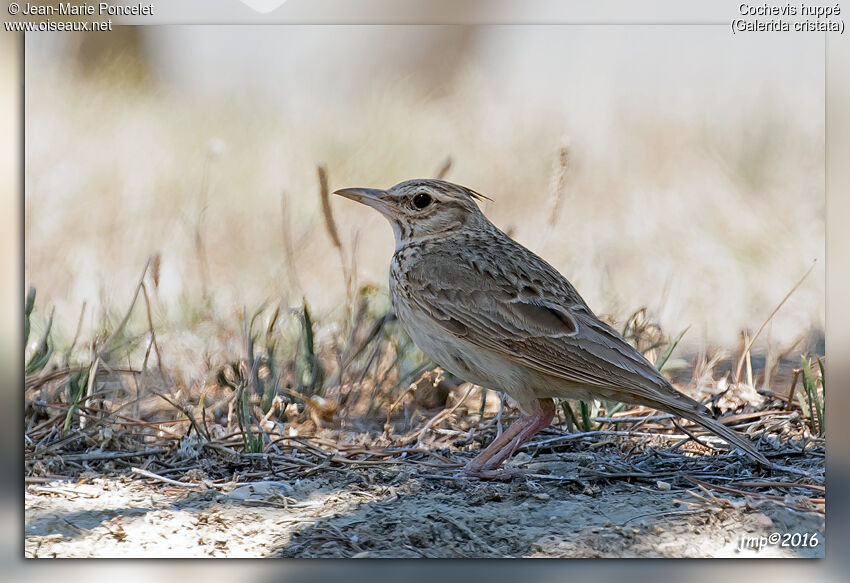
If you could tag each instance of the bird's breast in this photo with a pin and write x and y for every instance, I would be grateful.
(463, 359)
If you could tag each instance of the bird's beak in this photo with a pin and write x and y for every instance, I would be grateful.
(372, 197)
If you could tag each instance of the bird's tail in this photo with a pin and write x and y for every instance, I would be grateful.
(730, 435)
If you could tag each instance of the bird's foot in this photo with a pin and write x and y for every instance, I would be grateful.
(486, 465)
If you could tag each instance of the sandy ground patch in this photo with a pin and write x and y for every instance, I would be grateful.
(405, 512)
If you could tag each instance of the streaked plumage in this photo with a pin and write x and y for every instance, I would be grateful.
(492, 312)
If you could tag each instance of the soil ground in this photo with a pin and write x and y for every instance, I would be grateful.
(567, 504)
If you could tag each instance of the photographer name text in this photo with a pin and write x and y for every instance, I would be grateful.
(98, 9)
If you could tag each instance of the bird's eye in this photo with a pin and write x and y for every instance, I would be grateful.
(421, 200)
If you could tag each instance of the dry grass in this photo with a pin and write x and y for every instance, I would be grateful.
(361, 396)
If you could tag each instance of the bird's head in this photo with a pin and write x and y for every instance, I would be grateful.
(423, 207)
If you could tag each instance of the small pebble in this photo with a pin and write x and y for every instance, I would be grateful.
(663, 485)
(521, 458)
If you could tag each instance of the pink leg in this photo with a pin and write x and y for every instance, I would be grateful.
(486, 463)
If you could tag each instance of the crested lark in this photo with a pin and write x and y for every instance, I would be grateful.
(490, 311)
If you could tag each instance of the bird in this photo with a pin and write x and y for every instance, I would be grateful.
(492, 312)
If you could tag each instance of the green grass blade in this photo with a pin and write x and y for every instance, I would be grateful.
(313, 366)
(43, 351)
(669, 350)
(253, 443)
(822, 400)
(28, 308)
(77, 385)
(584, 410)
(815, 408)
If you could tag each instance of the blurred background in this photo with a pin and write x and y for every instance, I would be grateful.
(650, 165)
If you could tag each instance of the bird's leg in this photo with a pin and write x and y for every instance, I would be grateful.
(486, 463)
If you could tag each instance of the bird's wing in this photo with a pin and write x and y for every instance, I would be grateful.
(536, 320)
(531, 315)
